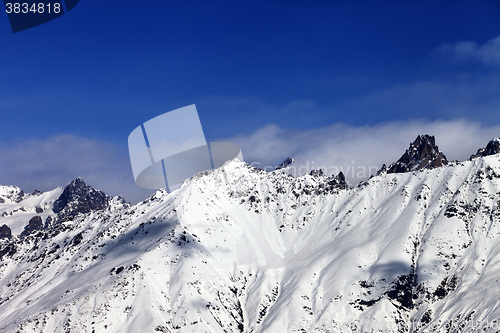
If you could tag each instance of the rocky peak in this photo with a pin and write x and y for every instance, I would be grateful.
(341, 177)
(287, 162)
(422, 154)
(492, 148)
(79, 197)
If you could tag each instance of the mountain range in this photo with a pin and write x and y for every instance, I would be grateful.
(415, 248)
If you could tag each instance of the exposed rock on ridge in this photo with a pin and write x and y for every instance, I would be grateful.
(5, 232)
(422, 154)
(287, 162)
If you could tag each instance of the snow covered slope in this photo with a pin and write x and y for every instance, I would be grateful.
(238, 249)
(16, 210)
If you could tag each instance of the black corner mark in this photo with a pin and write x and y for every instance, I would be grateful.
(26, 14)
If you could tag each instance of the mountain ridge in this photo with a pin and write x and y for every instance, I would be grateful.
(238, 249)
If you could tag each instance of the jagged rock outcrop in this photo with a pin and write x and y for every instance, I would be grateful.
(422, 154)
(78, 198)
(37, 192)
(336, 182)
(341, 177)
(287, 162)
(492, 148)
(316, 173)
(5, 232)
(383, 170)
(34, 224)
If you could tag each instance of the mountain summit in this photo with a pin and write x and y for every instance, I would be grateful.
(422, 154)
(286, 163)
(79, 197)
(493, 147)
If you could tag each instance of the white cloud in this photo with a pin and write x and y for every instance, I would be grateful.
(488, 54)
(46, 164)
(359, 151)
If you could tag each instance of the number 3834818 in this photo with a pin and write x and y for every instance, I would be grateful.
(35, 8)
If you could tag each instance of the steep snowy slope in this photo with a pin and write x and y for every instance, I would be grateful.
(238, 249)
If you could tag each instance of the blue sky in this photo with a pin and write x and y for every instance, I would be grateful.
(258, 71)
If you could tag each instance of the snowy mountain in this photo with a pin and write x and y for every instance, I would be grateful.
(10, 194)
(238, 249)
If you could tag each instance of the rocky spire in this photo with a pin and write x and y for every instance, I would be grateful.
(492, 148)
(337, 181)
(79, 197)
(422, 154)
(287, 162)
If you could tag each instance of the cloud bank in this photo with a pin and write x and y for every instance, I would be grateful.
(357, 151)
(46, 164)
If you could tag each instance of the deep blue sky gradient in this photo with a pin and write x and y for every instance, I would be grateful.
(107, 66)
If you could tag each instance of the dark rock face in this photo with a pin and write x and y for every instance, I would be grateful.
(337, 182)
(79, 197)
(492, 148)
(316, 173)
(47, 222)
(36, 192)
(382, 170)
(340, 177)
(422, 154)
(8, 251)
(19, 197)
(5, 232)
(288, 161)
(33, 225)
